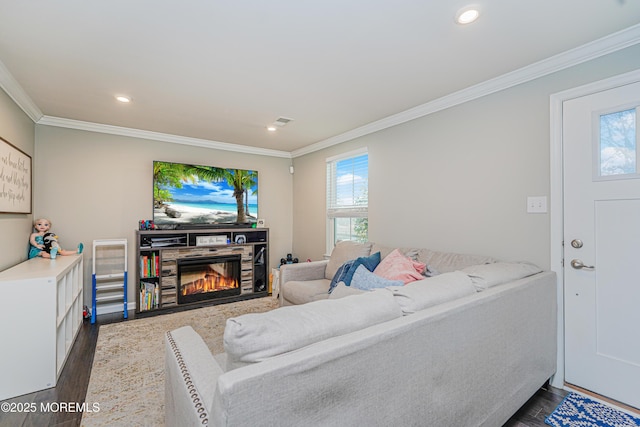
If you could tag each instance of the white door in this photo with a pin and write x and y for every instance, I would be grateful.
(602, 242)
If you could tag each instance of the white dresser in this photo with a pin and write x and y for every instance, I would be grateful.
(41, 302)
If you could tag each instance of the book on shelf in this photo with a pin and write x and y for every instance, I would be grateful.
(150, 265)
(149, 295)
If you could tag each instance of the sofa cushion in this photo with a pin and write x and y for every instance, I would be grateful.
(397, 266)
(342, 290)
(488, 275)
(386, 250)
(366, 280)
(254, 337)
(445, 262)
(344, 251)
(431, 291)
(304, 291)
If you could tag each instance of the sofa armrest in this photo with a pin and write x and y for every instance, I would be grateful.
(191, 376)
(303, 271)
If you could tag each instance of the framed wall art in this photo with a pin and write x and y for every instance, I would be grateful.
(15, 179)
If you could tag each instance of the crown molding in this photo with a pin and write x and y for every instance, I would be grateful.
(157, 136)
(11, 86)
(603, 46)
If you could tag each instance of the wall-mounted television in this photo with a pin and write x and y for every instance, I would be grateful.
(197, 195)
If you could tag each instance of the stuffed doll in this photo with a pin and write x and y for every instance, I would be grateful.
(42, 241)
(50, 242)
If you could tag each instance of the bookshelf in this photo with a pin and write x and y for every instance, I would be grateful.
(41, 314)
(159, 252)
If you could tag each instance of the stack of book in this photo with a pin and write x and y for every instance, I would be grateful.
(150, 265)
(149, 295)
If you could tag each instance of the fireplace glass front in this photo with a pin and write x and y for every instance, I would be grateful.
(206, 278)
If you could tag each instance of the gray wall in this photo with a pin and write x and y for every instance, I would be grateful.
(456, 180)
(97, 186)
(17, 128)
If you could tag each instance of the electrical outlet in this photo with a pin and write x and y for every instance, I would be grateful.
(537, 204)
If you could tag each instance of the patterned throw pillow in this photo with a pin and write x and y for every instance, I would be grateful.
(397, 266)
(366, 280)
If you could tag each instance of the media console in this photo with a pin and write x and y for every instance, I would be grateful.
(183, 267)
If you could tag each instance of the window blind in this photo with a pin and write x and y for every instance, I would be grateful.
(348, 185)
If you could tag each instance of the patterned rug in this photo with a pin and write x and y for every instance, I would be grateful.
(579, 411)
(127, 377)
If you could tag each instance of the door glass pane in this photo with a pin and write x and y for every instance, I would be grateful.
(618, 143)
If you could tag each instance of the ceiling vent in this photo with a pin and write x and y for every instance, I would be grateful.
(282, 121)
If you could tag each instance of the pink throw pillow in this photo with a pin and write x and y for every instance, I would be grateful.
(397, 266)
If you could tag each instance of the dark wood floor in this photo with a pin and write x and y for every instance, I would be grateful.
(74, 379)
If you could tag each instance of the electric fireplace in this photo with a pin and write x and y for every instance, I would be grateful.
(207, 278)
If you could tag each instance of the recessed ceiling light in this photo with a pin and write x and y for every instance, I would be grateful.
(467, 15)
(280, 122)
(124, 99)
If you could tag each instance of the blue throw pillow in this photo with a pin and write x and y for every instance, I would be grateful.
(370, 262)
(340, 274)
(366, 280)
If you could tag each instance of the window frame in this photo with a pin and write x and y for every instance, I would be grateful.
(333, 212)
(597, 144)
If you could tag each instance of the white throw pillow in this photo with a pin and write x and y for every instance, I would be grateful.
(254, 337)
(431, 291)
(488, 275)
(344, 251)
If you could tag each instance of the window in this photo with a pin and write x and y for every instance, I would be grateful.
(347, 197)
(618, 140)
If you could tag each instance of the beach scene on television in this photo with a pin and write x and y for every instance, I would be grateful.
(195, 194)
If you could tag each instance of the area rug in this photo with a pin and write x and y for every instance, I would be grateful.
(580, 411)
(127, 377)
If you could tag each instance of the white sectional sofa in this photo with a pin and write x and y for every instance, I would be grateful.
(466, 347)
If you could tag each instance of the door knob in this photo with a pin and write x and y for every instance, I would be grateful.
(576, 243)
(578, 265)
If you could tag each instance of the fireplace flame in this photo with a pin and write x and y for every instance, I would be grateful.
(210, 281)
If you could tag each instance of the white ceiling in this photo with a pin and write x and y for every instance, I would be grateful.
(221, 70)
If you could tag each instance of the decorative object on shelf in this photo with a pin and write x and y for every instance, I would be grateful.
(241, 239)
(15, 196)
(288, 260)
(44, 243)
(261, 223)
(146, 224)
(220, 239)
